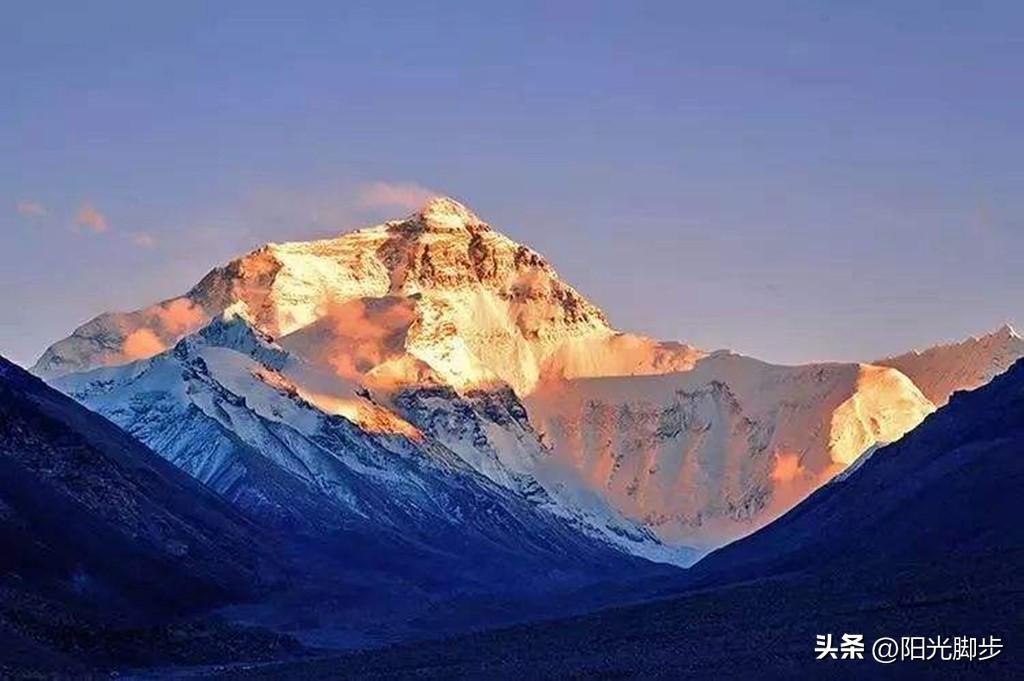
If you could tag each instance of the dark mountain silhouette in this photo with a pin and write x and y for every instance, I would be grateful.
(99, 534)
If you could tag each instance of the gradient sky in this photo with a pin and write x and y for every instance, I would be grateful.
(796, 181)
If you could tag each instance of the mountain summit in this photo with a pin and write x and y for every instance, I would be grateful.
(445, 213)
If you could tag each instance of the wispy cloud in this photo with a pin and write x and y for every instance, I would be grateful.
(285, 212)
(164, 325)
(30, 209)
(89, 217)
(143, 239)
(405, 195)
(178, 317)
(280, 213)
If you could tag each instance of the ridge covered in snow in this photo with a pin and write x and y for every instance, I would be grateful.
(941, 370)
(292, 445)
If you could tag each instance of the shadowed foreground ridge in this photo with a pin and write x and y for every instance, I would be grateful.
(922, 539)
(99, 536)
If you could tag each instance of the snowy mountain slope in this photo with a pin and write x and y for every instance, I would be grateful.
(941, 370)
(947, 493)
(492, 432)
(711, 454)
(487, 427)
(244, 427)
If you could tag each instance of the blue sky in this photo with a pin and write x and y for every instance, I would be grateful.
(797, 181)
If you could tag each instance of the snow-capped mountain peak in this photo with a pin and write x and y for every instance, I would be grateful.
(445, 213)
